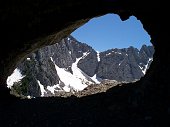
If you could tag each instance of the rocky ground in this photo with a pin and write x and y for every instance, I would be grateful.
(91, 89)
(104, 86)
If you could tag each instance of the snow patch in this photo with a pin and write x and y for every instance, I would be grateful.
(96, 79)
(28, 59)
(66, 88)
(118, 53)
(16, 76)
(146, 66)
(52, 88)
(121, 62)
(141, 69)
(84, 56)
(29, 97)
(108, 54)
(113, 52)
(70, 52)
(76, 80)
(78, 73)
(41, 88)
(98, 56)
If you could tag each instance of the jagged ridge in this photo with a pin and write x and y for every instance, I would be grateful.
(72, 66)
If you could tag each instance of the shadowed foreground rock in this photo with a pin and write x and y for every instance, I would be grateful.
(119, 106)
(30, 24)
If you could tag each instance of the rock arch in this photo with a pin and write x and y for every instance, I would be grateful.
(28, 25)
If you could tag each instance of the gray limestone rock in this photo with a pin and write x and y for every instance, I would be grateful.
(127, 64)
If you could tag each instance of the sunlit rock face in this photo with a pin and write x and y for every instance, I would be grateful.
(72, 66)
(59, 67)
(126, 64)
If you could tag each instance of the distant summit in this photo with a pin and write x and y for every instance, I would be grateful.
(71, 66)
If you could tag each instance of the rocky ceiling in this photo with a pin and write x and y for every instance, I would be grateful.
(30, 24)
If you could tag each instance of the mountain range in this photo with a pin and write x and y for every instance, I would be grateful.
(71, 66)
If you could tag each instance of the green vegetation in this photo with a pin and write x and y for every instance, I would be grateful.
(20, 89)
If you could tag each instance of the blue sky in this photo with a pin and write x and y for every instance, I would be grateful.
(109, 31)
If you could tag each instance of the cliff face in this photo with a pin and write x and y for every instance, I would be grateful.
(126, 64)
(72, 66)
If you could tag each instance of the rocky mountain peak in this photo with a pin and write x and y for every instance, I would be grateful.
(71, 66)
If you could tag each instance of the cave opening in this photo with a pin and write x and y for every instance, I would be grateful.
(79, 66)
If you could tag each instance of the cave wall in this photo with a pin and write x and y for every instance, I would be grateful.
(30, 24)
